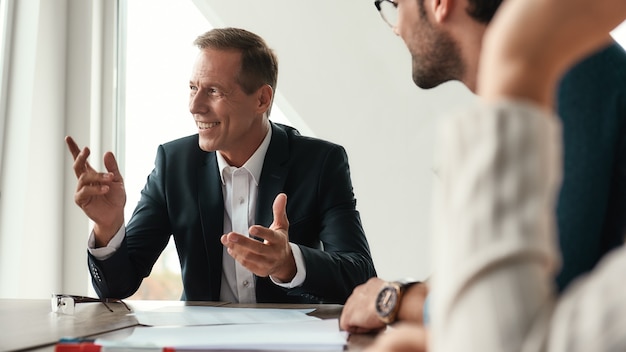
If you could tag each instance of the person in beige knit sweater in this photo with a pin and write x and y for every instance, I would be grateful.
(494, 229)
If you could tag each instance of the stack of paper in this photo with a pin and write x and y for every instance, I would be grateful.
(221, 328)
(197, 315)
(292, 336)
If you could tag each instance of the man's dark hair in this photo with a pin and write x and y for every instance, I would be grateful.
(480, 10)
(483, 10)
(259, 64)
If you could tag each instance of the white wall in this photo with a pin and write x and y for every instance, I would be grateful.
(348, 78)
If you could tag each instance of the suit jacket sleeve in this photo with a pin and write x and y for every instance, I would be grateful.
(344, 261)
(147, 234)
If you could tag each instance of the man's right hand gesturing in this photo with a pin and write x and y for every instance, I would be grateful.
(101, 195)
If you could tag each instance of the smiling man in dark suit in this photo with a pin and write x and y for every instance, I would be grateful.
(226, 194)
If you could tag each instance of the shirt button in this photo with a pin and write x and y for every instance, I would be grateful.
(246, 283)
(241, 200)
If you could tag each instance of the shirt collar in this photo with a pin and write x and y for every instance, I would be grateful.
(254, 165)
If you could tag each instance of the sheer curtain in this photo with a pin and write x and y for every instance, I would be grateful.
(59, 80)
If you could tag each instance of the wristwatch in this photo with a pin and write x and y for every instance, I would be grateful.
(389, 298)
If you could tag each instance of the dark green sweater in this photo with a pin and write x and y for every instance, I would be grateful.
(591, 209)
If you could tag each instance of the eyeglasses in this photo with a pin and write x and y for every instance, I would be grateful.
(388, 10)
(66, 304)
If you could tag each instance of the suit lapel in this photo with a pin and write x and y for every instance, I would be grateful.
(273, 175)
(211, 205)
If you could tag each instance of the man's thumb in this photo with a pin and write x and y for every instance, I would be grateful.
(280, 212)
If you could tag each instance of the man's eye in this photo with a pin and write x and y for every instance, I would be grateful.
(193, 88)
(213, 91)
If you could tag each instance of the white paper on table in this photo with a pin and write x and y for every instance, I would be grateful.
(198, 315)
(303, 335)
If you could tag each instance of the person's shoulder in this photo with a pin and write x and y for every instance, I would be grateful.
(615, 52)
(612, 58)
(183, 143)
(597, 80)
(607, 64)
(185, 148)
(616, 57)
(296, 139)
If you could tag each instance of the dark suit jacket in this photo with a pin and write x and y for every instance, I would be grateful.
(183, 198)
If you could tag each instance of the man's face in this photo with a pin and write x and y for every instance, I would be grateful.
(228, 120)
(436, 57)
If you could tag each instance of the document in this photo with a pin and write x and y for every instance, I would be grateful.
(290, 336)
(197, 315)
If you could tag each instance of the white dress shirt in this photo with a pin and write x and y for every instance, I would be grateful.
(240, 189)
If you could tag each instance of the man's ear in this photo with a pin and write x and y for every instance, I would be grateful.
(442, 9)
(264, 96)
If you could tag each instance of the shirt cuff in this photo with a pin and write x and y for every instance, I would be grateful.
(300, 269)
(103, 253)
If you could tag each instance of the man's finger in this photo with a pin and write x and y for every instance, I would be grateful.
(80, 162)
(72, 146)
(246, 244)
(280, 213)
(111, 165)
(80, 157)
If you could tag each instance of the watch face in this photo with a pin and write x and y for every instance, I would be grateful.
(387, 300)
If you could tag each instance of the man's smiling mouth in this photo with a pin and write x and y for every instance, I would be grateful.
(206, 125)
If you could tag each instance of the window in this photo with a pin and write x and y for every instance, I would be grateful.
(619, 34)
(5, 28)
(159, 55)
